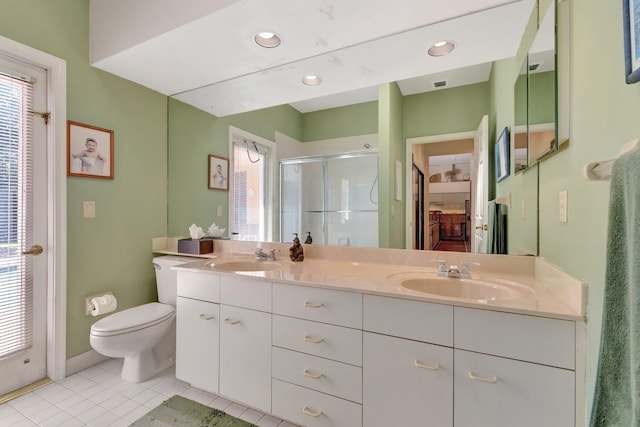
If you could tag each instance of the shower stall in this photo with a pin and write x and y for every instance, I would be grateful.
(333, 197)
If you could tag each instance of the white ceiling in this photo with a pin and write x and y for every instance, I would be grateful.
(203, 53)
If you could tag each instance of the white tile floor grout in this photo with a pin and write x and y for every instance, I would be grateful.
(98, 397)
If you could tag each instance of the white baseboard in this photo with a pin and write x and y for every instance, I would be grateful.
(83, 361)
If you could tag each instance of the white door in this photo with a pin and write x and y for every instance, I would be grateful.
(480, 186)
(23, 225)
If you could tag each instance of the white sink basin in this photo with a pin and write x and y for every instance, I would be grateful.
(244, 265)
(481, 290)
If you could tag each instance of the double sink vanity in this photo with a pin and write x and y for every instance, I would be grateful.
(379, 337)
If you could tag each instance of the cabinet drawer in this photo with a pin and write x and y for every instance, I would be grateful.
(199, 285)
(313, 409)
(319, 339)
(197, 343)
(517, 393)
(330, 377)
(322, 305)
(247, 293)
(416, 320)
(534, 339)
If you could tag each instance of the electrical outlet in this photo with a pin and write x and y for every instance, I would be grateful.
(219, 211)
(563, 206)
(89, 208)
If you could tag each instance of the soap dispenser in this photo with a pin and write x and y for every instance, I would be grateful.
(308, 240)
(296, 253)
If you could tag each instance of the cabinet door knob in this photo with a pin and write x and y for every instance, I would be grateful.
(491, 380)
(231, 322)
(309, 412)
(307, 338)
(423, 366)
(310, 375)
(313, 305)
(205, 317)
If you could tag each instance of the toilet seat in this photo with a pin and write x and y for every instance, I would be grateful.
(133, 319)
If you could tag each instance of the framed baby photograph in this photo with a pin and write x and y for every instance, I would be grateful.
(89, 151)
(218, 173)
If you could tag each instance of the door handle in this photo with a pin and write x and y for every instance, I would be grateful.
(34, 250)
(482, 227)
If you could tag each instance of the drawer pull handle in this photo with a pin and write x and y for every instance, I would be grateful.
(423, 366)
(310, 375)
(231, 322)
(491, 380)
(205, 317)
(313, 305)
(307, 338)
(309, 412)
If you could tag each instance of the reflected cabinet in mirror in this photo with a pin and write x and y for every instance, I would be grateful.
(354, 200)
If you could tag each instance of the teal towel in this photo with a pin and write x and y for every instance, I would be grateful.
(617, 394)
(496, 228)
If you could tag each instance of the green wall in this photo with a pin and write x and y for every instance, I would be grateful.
(439, 112)
(603, 116)
(193, 135)
(391, 212)
(340, 122)
(111, 251)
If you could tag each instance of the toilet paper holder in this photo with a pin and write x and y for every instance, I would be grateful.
(88, 305)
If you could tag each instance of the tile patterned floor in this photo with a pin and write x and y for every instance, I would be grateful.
(98, 397)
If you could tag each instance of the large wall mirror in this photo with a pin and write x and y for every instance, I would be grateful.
(436, 112)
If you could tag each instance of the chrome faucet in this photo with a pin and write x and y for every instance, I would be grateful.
(263, 256)
(453, 271)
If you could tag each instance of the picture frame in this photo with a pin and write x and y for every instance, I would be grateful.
(503, 165)
(89, 151)
(631, 18)
(218, 175)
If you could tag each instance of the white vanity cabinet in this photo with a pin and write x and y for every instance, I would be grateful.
(462, 367)
(198, 330)
(513, 369)
(407, 363)
(245, 341)
(317, 356)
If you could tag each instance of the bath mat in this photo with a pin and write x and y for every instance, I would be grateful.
(179, 411)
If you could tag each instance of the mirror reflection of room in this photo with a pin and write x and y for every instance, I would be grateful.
(446, 196)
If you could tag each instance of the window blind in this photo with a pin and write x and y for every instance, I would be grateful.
(16, 189)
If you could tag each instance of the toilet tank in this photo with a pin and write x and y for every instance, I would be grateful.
(166, 278)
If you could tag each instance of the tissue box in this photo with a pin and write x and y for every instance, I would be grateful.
(195, 246)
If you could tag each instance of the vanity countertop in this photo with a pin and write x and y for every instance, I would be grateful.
(553, 293)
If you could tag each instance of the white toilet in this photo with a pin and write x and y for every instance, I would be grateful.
(144, 335)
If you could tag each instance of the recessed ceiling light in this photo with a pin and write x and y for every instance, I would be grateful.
(311, 80)
(441, 48)
(267, 39)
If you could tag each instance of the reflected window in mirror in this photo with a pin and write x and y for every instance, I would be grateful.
(251, 189)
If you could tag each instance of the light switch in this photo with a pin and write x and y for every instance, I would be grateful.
(219, 210)
(89, 208)
(523, 212)
(563, 206)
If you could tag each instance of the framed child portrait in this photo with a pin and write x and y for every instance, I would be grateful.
(218, 173)
(89, 151)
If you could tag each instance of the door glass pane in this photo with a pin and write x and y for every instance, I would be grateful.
(16, 290)
(302, 200)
